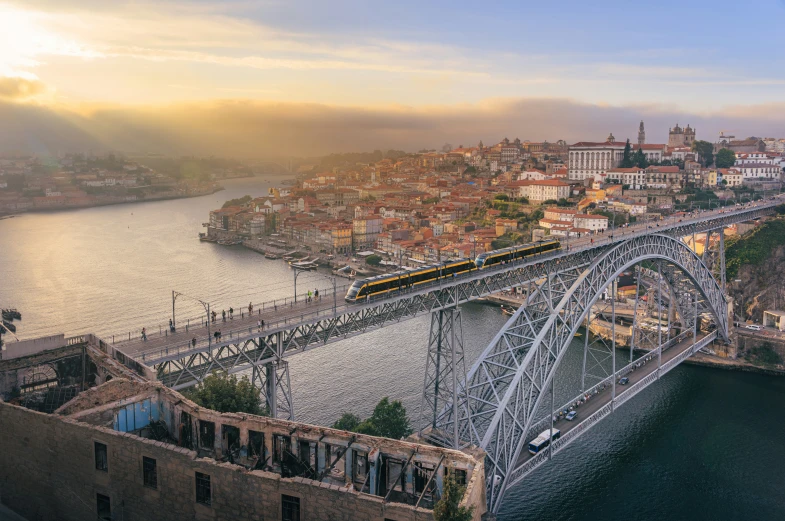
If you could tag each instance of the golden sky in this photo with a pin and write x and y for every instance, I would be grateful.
(348, 75)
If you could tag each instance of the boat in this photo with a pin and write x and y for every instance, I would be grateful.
(297, 261)
(507, 310)
(304, 265)
(11, 314)
(9, 326)
(271, 256)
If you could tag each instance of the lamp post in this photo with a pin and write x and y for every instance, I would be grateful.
(205, 305)
(297, 272)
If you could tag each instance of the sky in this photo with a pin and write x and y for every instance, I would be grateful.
(407, 72)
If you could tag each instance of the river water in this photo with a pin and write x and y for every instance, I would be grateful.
(701, 444)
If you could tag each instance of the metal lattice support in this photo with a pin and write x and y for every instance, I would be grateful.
(444, 369)
(504, 388)
(272, 380)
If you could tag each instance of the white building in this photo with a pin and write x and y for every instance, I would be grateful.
(588, 160)
(634, 177)
(539, 191)
(758, 170)
(591, 222)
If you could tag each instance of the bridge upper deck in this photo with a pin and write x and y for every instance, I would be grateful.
(290, 315)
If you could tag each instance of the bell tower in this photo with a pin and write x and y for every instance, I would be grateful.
(641, 135)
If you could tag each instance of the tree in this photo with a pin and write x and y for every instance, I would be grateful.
(726, 158)
(639, 159)
(240, 201)
(388, 420)
(502, 197)
(705, 150)
(626, 161)
(373, 260)
(347, 422)
(447, 508)
(223, 393)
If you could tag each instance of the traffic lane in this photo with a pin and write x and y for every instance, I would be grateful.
(601, 399)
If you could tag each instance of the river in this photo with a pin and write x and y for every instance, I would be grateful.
(701, 444)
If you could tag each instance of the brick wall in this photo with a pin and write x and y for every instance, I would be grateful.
(47, 471)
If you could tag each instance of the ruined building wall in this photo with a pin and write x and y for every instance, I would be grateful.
(48, 471)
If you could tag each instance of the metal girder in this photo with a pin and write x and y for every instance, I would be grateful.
(504, 388)
(444, 369)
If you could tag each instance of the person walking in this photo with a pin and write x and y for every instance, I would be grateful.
(231, 313)
(316, 293)
(223, 315)
(250, 308)
(214, 315)
(259, 325)
(144, 334)
(262, 323)
(193, 342)
(171, 325)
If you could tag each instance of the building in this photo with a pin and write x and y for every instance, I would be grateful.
(540, 191)
(591, 222)
(132, 449)
(365, 231)
(641, 135)
(587, 160)
(748, 145)
(505, 226)
(681, 137)
(775, 319)
(634, 178)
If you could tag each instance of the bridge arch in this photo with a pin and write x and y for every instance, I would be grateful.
(505, 387)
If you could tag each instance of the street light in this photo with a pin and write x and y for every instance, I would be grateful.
(297, 272)
(205, 305)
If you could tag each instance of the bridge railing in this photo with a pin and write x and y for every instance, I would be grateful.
(585, 396)
(150, 356)
(188, 323)
(528, 466)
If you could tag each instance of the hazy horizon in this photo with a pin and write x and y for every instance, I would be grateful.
(251, 79)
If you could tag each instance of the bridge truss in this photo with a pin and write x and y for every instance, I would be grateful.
(497, 404)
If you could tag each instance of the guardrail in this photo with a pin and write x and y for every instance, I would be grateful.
(152, 355)
(527, 467)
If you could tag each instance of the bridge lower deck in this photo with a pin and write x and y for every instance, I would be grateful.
(648, 366)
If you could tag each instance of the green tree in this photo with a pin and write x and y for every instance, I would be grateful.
(725, 158)
(347, 422)
(388, 420)
(502, 197)
(240, 201)
(639, 159)
(626, 161)
(705, 150)
(373, 260)
(447, 508)
(223, 393)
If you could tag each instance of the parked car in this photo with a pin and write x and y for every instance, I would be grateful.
(754, 327)
(571, 416)
(624, 381)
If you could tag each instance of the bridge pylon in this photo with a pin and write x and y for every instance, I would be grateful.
(272, 380)
(445, 371)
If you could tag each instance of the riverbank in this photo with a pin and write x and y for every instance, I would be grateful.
(8, 213)
(732, 365)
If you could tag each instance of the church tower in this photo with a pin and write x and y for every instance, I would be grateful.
(641, 135)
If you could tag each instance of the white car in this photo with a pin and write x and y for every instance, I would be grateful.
(754, 327)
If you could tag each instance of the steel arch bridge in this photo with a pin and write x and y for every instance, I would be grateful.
(498, 402)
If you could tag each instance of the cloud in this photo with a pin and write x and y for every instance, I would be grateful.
(20, 88)
(251, 129)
